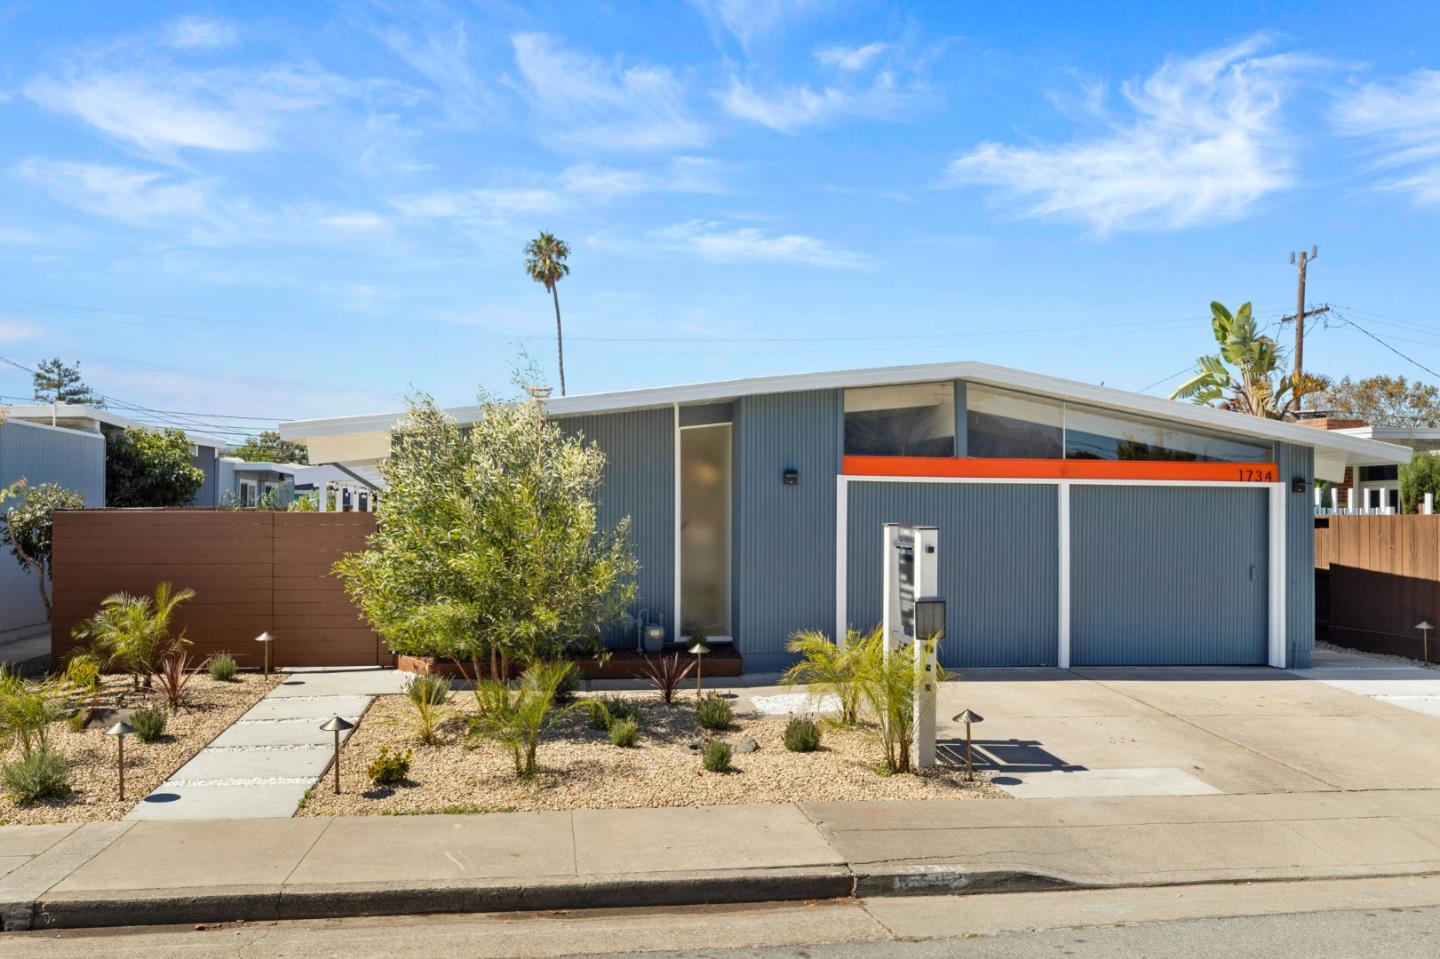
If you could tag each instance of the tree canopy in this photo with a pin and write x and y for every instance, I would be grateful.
(487, 543)
(268, 447)
(1383, 401)
(28, 524)
(1247, 375)
(55, 382)
(145, 467)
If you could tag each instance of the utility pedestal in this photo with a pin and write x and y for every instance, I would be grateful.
(914, 619)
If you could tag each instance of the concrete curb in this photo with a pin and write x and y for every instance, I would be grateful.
(269, 902)
(939, 880)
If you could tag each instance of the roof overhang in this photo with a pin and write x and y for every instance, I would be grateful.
(93, 419)
(1338, 446)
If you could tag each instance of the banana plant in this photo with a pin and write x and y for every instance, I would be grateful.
(1247, 374)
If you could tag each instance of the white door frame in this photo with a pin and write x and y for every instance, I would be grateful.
(1275, 598)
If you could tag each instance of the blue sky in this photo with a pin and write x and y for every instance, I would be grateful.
(298, 210)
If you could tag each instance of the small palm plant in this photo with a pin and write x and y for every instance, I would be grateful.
(887, 688)
(134, 631)
(517, 716)
(428, 695)
(827, 667)
(27, 708)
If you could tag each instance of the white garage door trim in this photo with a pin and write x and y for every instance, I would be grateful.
(1275, 627)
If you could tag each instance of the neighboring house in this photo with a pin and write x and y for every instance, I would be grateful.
(204, 450)
(246, 483)
(1078, 525)
(41, 454)
(1376, 487)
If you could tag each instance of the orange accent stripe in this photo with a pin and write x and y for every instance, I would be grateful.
(979, 468)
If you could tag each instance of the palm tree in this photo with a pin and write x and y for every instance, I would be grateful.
(1246, 376)
(545, 262)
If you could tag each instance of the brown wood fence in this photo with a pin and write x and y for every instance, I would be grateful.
(1375, 578)
(252, 571)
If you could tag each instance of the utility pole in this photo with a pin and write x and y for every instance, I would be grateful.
(1301, 261)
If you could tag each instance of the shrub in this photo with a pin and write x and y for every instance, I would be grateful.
(428, 695)
(41, 774)
(717, 756)
(149, 724)
(174, 674)
(665, 674)
(830, 668)
(222, 668)
(713, 712)
(83, 671)
(1418, 477)
(516, 717)
(389, 769)
(606, 711)
(802, 735)
(27, 709)
(623, 733)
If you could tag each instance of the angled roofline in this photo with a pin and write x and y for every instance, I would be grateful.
(1358, 450)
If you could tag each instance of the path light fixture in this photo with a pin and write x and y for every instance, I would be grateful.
(267, 639)
(337, 726)
(120, 730)
(968, 716)
(698, 650)
(1424, 627)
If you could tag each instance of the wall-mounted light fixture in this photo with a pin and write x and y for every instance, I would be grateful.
(792, 477)
(1297, 485)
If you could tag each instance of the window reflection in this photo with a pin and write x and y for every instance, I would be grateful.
(912, 420)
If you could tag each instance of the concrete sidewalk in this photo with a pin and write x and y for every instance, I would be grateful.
(133, 873)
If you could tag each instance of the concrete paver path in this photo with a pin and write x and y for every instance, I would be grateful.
(261, 766)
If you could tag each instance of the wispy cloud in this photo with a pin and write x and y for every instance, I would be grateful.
(723, 243)
(750, 21)
(1400, 121)
(583, 101)
(14, 331)
(207, 33)
(850, 58)
(792, 109)
(144, 92)
(139, 197)
(441, 54)
(1200, 145)
(681, 175)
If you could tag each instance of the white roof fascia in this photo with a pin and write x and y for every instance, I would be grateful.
(1358, 450)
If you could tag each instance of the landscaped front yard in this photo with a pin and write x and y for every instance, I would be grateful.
(209, 707)
(580, 769)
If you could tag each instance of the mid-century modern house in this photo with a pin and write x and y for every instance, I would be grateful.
(1078, 525)
(204, 450)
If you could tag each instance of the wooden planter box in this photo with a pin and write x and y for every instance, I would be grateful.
(722, 661)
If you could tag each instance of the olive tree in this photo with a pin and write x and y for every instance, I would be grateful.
(488, 543)
(28, 524)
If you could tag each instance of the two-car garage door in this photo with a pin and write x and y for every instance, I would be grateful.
(1159, 575)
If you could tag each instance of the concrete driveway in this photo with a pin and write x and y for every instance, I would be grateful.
(1352, 723)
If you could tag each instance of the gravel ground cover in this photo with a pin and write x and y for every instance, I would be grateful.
(210, 707)
(580, 769)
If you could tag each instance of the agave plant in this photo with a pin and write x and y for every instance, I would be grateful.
(828, 667)
(516, 716)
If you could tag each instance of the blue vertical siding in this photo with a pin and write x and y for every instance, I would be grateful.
(784, 536)
(208, 462)
(639, 483)
(1298, 462)
(999, 565)
(42, 454)
(1168, 575)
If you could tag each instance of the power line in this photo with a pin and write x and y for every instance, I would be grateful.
(1403, 356)
(1164, 379)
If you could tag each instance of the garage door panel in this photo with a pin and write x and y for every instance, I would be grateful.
(999, 564)
(1168, 575)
